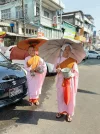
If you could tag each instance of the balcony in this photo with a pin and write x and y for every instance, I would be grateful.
(78, 23)
(53, 5)
(45, 21)
(88, 30)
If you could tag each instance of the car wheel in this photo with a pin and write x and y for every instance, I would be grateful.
(98, 57)
(47, 71)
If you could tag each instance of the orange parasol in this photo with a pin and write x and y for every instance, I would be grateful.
(36, 42)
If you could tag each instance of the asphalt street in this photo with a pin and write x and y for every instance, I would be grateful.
(21, 118)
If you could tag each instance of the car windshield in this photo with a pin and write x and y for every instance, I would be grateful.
(2, 58)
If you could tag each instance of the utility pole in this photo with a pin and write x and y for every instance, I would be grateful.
(23, 14)
(40, 10)
(60, 18)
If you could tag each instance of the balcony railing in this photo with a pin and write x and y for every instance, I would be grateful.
(46, 21)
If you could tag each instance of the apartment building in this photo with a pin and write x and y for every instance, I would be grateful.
(82, 21)
(29, 16)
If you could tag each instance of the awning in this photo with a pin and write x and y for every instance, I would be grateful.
(9, 34)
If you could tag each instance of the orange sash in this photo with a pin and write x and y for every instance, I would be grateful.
(34, 61)
(66, 89)
(68, 63)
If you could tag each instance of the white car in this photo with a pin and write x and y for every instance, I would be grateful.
(86, 57)
(93, 54)
(8, 51)
(50, 67)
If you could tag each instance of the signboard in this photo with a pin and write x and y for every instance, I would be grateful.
(69, 31)
(55, 21)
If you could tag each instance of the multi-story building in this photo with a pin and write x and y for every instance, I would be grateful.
(88, 25)
(46, 16)
(77, 18)
(28, 16)
(19, 14)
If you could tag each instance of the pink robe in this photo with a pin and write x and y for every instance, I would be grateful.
(62, 107)
(35, 82)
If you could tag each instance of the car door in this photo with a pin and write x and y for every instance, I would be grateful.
(95, 54)
(90, 54)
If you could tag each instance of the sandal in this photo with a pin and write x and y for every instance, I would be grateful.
(58, 115)
(68, 118)
(31, 103)
(37, 103)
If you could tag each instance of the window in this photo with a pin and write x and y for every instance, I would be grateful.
(22, 30)
(37, 11)
(32, 31)
(46, 14)
(26, 11)
(6, 14)
(8, 1)
(93, 52)
(19, 12)
(35, 31)
(29, 31)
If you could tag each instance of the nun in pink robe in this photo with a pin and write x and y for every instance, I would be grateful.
(62, 107)
(35, 82)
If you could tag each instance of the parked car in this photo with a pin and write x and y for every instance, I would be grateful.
(86, 57)
(50, 67)
(93, 54)
(8, 51)
(3, 49)
(13, 83)
(17, 55)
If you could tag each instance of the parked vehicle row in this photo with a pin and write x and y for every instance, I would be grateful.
(17, 55)
(92, 54)
(13, 83)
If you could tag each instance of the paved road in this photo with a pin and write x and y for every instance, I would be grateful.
(24, 119)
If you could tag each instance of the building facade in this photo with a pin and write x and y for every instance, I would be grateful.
(46, 16)
(82, 21)
(27, 17)
(12, 12)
